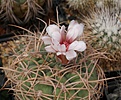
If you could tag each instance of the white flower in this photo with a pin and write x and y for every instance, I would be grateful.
(64, 43)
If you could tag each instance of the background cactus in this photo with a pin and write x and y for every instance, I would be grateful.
(35, 74)
(20, 11)
(7, 48)
(79, 9)
(78, 4)
(103, 28)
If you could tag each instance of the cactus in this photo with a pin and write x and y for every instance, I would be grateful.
(7, 48)
(80, 9)
(79, 4)
(34, 80)
(77, 8)
(35, 74)
(105, 26)
(20, 11)
(104, 33)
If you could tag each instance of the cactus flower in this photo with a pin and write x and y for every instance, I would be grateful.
(64, 43)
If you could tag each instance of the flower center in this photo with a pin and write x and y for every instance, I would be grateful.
(66, 44)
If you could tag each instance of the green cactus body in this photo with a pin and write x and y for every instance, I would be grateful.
(43, 82)
(36, 75)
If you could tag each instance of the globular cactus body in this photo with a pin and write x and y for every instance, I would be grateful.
(37, 81)
(36, 75)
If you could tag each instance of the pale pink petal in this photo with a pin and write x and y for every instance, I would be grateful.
(52, 28)
(55, 42)
(81, 29)
(81, 46)
(55, 46)
(46, 40)
(74, 32)
(56, 36)
(73, 45)
(63, 33)
(50, 49)
(71, 24)
(62, 48)
(77, 45)
(62, 30)
(60, 53)
(71, 35)
(70, 54)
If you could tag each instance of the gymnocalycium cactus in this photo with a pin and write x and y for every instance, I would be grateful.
(35, 74)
